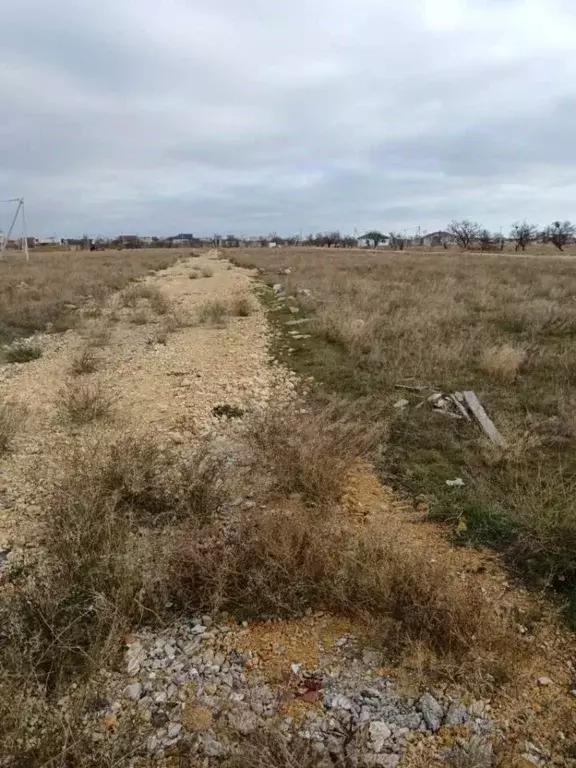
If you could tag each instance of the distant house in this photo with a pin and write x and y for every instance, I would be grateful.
(128, 241)
(183, 238)
(437, 238)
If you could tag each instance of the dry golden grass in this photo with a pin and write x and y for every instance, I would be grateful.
(501, 325)
(207, 272)
(503, 362)
(47, 291)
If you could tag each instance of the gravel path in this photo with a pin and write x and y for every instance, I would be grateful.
(169, 386)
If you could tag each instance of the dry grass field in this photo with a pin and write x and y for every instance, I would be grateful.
(503, 326)
(179, 474)
(46, 292)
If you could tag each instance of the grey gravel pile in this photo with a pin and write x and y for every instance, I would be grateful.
(192, 694)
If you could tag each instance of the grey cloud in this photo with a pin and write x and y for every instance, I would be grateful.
(260, 116)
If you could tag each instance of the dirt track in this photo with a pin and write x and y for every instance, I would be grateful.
(168, 388)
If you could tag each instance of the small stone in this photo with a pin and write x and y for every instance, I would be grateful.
(169, 651)
(211, 747)
(133, 691)
(477, 708)
(190, 648)
(174, 730)
(371, 658)
(243, 721)
(456, 714)
(402, 403)
(379, 735)
(135, 657)
(294, 310)
(544, 681)
(210, 689)
(161, 697)
(207, 621)
(432, 712)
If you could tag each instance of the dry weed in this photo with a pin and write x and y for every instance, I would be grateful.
(207, 272)
(84, 363)
(137, 292)
(310, 453)
(98, 335)
(287, 557)
(140, 317)
(12, 417)
(503, 362)
(82, 403)
(214, 312)
(269, 749)
(286, 560)
(242, 306)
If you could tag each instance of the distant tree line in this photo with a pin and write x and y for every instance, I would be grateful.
(465, 234)
(468, 234)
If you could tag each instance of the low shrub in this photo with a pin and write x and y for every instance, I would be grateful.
(21, 352)
(82, 403)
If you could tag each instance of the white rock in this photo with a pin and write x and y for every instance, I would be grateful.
(401, 403)
(456, 483)
(133, 691)
(379, 735)
(544, 681)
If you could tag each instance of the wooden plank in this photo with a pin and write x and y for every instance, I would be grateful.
(457, 400)
(482, 418)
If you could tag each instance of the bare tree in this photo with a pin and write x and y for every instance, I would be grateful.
(397, 242)
(374, 237)
(487, 240)
(465, 232)
(523, 234)
(560, 233)
(333, 238)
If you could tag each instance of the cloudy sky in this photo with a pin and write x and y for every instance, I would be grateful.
(255, 116)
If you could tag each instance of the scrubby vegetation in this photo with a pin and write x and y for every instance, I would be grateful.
(503, 326)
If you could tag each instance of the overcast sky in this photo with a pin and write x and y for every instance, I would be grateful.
(255, 116)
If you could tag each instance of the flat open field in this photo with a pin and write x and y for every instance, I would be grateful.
(502, 326)
(207, 560)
